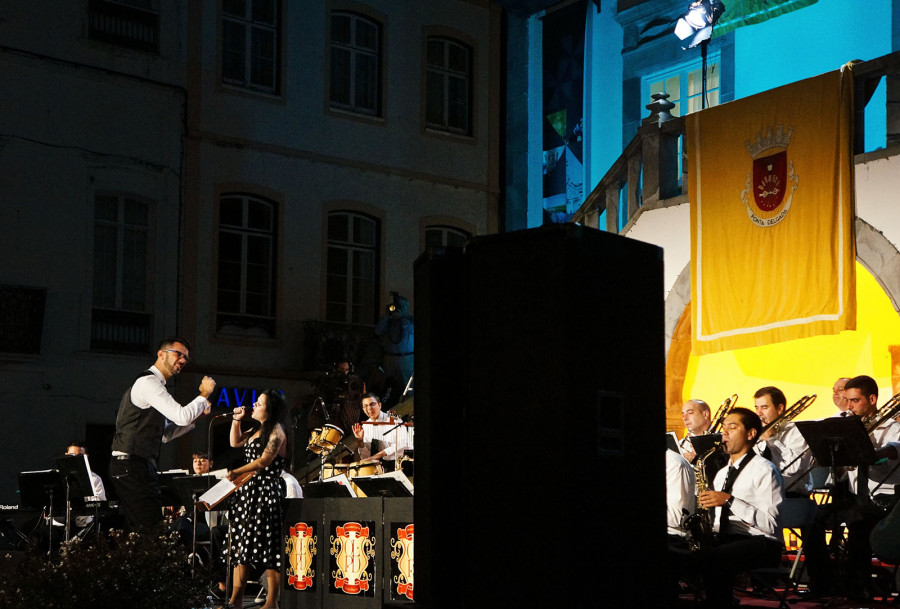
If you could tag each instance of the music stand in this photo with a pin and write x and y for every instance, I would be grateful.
(392, 484)
(40, 490)
(672, 442)
(73, 470)
(838, 441)
(189, 489)
(328, 488)
(35, 488)
(704, 442)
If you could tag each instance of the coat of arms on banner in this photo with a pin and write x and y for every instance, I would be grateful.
(771, 179)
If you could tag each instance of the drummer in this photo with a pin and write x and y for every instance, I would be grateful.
(375, 441)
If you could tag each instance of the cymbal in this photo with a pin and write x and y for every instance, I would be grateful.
(405, 407)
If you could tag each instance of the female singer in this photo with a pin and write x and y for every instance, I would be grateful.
(256, 511)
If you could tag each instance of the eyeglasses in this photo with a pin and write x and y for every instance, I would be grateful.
(178, 354)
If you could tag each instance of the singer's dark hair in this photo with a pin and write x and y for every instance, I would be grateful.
(277, 411)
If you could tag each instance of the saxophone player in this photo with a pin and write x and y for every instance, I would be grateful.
(782, 443)
(746, 510)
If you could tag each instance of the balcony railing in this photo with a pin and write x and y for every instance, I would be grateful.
(123, 25)
(649, 174)
(124, 331)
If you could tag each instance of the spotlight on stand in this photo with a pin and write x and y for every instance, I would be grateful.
(696, 25)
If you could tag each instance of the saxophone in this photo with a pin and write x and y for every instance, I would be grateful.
(699, 525)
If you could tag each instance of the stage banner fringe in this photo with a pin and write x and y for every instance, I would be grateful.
(770, 179)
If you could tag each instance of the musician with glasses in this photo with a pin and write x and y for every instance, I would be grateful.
(782, 443)
(148, 416)
(871, 490)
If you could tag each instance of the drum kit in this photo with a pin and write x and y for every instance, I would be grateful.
(324, 440)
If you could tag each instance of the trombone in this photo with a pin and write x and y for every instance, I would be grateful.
(721, 412)
(889, 410)
(788, 414)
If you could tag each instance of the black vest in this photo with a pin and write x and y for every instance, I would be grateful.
(139, 431)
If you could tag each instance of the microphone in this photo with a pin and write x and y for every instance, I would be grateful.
(226, 415)
(321, 402)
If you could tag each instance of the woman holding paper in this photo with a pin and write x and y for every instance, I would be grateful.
(256, 510)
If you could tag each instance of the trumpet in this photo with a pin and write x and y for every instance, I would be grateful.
(789, 414)
(726, 407)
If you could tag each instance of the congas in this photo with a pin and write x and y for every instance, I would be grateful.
(366, 468)
(408, 464)
(335, 469)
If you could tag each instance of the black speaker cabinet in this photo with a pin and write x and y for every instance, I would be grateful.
(540, 414)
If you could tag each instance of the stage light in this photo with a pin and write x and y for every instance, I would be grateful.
(696, 25)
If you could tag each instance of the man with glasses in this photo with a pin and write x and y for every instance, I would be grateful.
(148, 416)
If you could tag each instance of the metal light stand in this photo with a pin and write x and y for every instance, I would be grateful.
(50, 524)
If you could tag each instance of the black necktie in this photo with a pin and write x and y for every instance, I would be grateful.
(726, 511)
(767, 453)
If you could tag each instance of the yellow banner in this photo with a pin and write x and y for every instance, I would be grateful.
(770, 179)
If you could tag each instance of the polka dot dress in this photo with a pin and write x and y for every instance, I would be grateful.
(256, 515)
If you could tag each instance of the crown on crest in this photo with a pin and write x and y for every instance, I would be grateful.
(770, 138)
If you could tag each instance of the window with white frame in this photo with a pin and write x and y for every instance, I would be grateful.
(250, 44)
(355, 63)
(120, 317)
(352, 268)
(683, 83)
(445, 236)
(246, 266)
(448, 85)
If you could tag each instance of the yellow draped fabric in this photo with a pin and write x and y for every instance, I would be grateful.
(770, 179)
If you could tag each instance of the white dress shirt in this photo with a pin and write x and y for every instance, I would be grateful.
(786, 446)
(396, 440)
(758, 494)
(681, 491)
(888, 433)
(149, 391)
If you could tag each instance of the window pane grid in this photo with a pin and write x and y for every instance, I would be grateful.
(351, 268)
(246, 264)
(447, 91)
(252, 65)
(355, 63)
